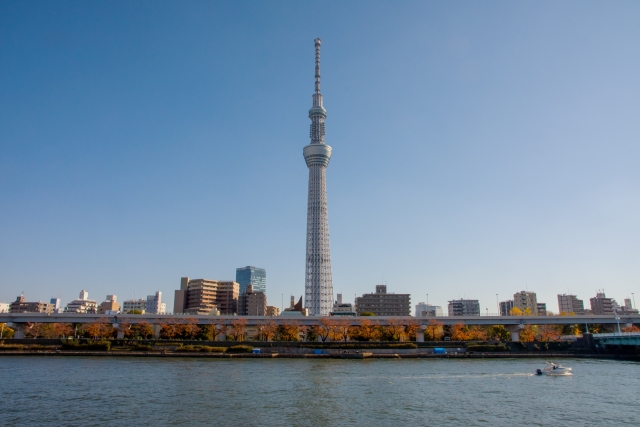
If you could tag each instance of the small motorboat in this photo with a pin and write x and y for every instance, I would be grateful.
(553, 369)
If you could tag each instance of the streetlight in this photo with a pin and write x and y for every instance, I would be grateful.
(633, 295)
(617, 320)
(497, 304)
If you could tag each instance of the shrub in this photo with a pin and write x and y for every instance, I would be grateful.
(209, 349)
(11, 347)
(141, 347)
(240, 349)
(487, 347)
(91, 346)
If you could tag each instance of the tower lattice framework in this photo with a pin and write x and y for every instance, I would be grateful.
(318, 281)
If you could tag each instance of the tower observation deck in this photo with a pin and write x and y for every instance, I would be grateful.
(318, 281)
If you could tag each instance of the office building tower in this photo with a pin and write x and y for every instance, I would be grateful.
(527, 302)
(464, 307)
(256, 277)
(381, 303)
(570, 304)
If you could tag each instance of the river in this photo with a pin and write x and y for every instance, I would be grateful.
(103, 391)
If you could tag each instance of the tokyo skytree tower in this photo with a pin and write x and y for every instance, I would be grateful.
(318, 283)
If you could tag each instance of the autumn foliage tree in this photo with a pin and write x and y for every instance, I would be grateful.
(190, 327)
(528, 333)
(289, 331)
(101, 328)
(434, 330)
(411, 328)
(238, 329)
(325, 328)
(549, 333)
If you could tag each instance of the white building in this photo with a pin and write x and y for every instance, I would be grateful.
(154, 304)
(424, 310)
(134, 304)
(4, 307)
(82, 304)
(342, 308)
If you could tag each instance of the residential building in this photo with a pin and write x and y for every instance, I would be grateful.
(131, 306)
(205, 296)
(464, 307)
(273, 311)
(428, 310)
(506, 307)
(627, 308)
(249, 275)
(570, 304)
(382, 303)
(155, 305)
(527, 302)
(341, 308)
(22, 306)
(4, 307)
(110, 305)
(602, 305)
(542, 309)
(57, 305)
(252, 303)
(82, 305)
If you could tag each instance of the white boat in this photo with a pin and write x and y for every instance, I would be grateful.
(554, 369)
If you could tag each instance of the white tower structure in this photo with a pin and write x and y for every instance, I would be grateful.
(318, 283)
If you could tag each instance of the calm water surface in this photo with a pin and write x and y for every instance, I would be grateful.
(79, 391)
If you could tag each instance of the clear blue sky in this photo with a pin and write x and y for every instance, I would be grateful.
(478, 147)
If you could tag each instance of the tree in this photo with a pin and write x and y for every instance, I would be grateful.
(394, 329)
(459, 332)
(101, 328)
(367, 313)
(549, 333)
(499, 332)
(367, 330)
(411, 328)
(144, 330)
(237, 332)
(631, 328)
(528, 334)
(266, 330)
(434, 330)
(289, 331)
(325, 328)
(213, 330)
(477, 333)
(190, 327)
(170, 329)
(62, 330)
(515, 311)
(5, 331)
(311, 332)
(342, 330)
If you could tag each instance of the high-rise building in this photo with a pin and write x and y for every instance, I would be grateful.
(542, 309)
(602, 305)
(506, 307)
(426, 310)
(109, 306)
(273, 310)
(205, 296)
(527, 302)
(22, 306)
(252, 303)
(318, 280)
(383, 304)
(154, 304)
(138, 306)
(570, 304)
(82, 305)
(464, 307)
(256, 277)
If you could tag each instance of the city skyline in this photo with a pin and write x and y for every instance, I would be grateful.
(484, 149)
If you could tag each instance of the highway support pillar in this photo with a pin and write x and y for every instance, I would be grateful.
(515, 331)
(420, 333)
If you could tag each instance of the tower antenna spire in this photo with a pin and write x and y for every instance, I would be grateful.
(318, 43)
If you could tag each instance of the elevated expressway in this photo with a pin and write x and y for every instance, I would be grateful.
(511, 323)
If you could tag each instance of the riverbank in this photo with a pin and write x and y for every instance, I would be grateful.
(327, 355)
